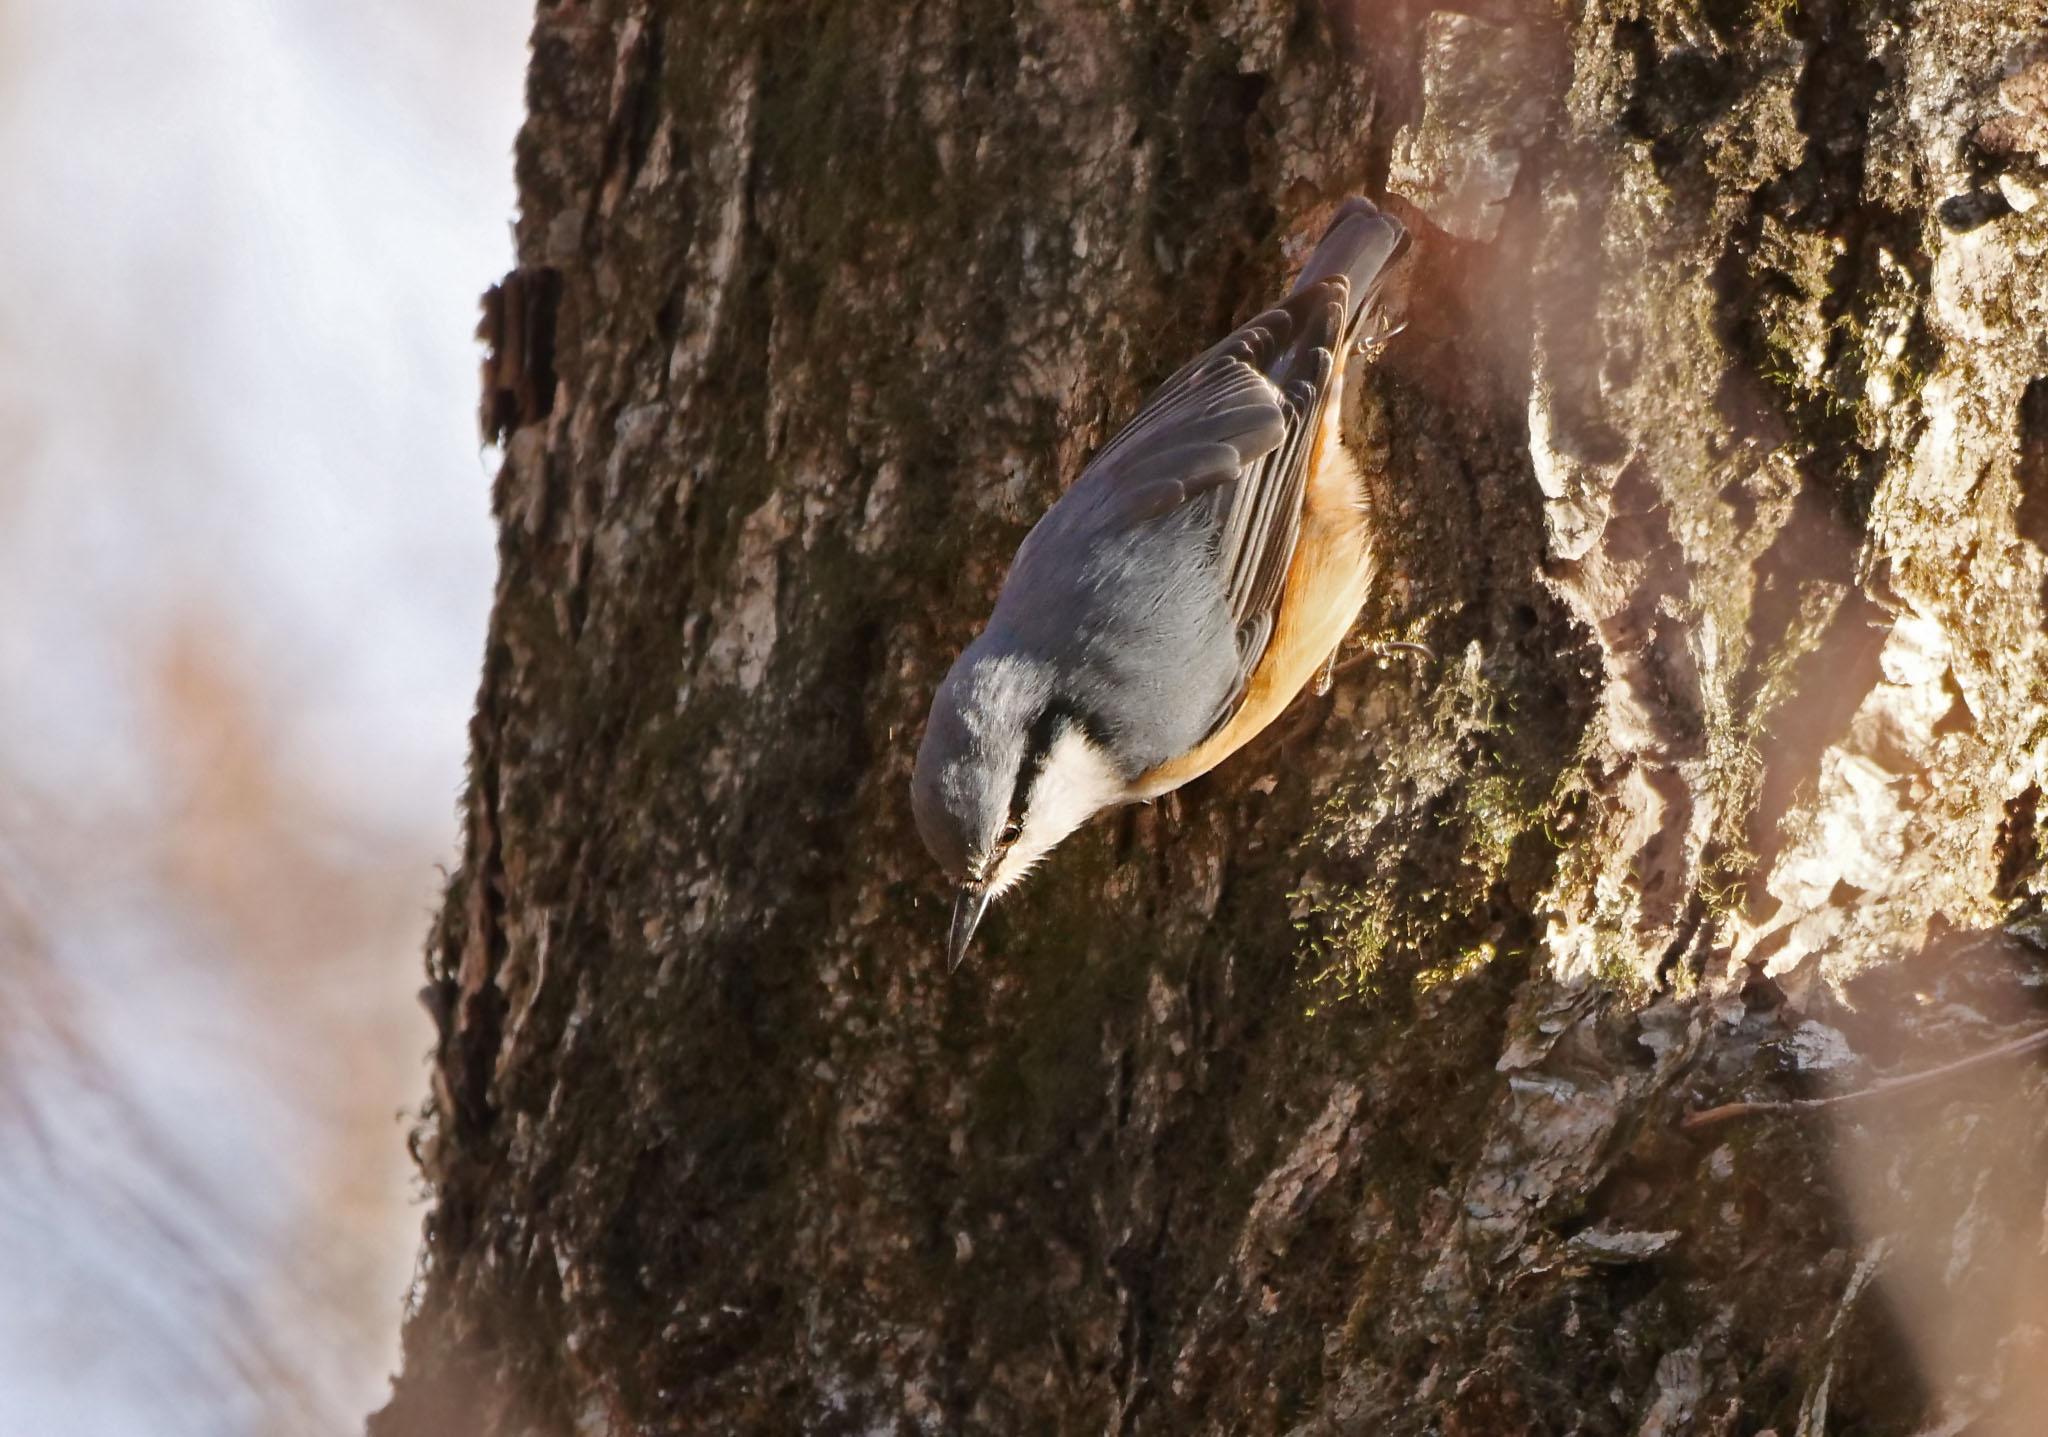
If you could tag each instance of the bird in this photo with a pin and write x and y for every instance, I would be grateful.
(1201, 569)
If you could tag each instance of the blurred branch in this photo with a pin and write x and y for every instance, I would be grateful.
(1884, 1087)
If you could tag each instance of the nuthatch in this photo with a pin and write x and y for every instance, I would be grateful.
(1176, 598)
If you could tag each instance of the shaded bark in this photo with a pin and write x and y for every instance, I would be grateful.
(1340, 1092)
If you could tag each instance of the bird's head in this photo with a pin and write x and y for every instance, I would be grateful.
(1007, 769)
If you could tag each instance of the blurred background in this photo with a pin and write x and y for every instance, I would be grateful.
(245, 564)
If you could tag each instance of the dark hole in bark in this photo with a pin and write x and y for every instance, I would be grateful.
(1966, 212)
(2019, 841)
(1958, 718)
(2031, 517)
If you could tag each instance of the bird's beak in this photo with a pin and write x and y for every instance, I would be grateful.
(968, 907)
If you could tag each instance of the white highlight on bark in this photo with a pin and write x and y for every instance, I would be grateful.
(1681, 1378)
(745, 636)
(1481, 98)
(1856, 831)
(1577, 496)
(718, 251)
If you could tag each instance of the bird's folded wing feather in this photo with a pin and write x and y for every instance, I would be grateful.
(1222, 420)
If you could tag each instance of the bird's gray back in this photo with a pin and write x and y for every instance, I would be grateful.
(1148, 592)
(1133, 621)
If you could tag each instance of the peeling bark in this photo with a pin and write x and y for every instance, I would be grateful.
(1341, 1092)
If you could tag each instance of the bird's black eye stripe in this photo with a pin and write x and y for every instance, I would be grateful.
(1053, 720)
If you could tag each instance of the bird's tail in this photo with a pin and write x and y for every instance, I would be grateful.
(1359, 245)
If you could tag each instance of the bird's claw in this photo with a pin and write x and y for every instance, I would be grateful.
(1370, 345)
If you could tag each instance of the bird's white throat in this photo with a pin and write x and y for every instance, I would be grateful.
(1077, 782)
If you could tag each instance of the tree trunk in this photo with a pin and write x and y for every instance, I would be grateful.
(1340, 1092)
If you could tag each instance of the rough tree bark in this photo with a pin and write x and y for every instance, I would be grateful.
(1342, 1092)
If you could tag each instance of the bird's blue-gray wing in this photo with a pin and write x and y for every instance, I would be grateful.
(1158, 576)
(1242, 422)
(1258, 397)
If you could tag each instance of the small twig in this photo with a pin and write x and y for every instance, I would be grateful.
(1884, 1087)
(1379, 651)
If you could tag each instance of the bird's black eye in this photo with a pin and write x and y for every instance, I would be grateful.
(1012, 831)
